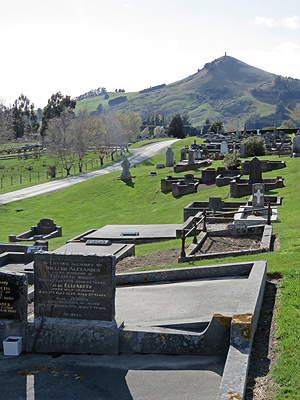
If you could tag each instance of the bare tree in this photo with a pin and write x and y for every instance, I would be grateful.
(6, 124)
(60, 139)
(81, 130)
(99, 136)
(130, 124)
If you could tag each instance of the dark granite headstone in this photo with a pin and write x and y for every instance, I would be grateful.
(255, 175)
(74, 286)
(215, 203)
(13, 296)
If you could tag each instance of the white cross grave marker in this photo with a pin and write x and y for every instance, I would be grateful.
(258, 195)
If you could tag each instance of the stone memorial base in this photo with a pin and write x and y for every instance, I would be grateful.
(256, 218)
(57, 335)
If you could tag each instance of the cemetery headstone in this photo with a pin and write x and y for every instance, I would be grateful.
(13, 296)
(215, 203)
(255, 174)
(296, 145)
(258, 191)
(183, 154)
(169, 157)
(199, 154)
(191, 156)
(125, 173)
(224, 148)
(74, 286)
(243, 151)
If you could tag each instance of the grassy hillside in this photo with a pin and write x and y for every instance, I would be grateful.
(221, 90)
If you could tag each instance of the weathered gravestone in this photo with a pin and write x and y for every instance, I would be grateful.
(258, 192)
(125, 173)
(183, 154)
(191, 157)
(74, 286)
(13, 296)
(13, 304)
(296, 145)
(255, 175)
(224, 148)
(169, 157)
(215, 203)
(74, 303)
(243, 151)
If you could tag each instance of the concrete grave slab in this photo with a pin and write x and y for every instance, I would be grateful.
(134, 233)
(96, 246)
(256, 218)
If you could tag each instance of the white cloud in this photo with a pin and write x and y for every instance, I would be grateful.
(292, 23)
(288, 47)
(269, 22)
(127, 5)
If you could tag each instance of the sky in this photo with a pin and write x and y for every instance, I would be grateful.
(74, 46)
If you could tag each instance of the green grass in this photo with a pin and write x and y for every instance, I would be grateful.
(199, 96)
(19, 173)
(107, 200)
(141, 143)
(92, 103)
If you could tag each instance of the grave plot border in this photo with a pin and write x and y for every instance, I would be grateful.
(265, 245)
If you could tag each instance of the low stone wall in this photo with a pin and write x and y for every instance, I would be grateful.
(266, 166)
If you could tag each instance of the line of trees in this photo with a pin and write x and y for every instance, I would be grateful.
(69, 137)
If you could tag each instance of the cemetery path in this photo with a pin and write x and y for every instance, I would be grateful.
(139, 155)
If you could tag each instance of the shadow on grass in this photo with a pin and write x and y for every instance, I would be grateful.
(128, 182)
(271, 192)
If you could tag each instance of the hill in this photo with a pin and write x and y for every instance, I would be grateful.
(225, 89)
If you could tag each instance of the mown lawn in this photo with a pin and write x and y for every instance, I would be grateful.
(107, 200)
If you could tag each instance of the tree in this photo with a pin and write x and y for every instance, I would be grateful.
(99, 137)
(288, 124)
(145, 132)
(207, 124)
(6, 124)
(216, 127)
(24, 117)
(56, 105)
(130, 124)
(232, 160)
(255, 146)
(60, 139)
(176, 127)
(80, 128)
(159, 131)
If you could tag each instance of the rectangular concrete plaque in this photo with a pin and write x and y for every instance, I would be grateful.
(13, 296)
(74, 286)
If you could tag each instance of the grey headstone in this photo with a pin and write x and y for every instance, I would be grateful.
(183, 154)
(169, 157)
(243, 151)
(255, 175)
(224, 148)
(296, 145)
(215, 203)
(74, 286)
(191, 157)
(125, 173)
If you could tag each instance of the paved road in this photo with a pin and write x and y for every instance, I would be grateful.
(139, 155)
